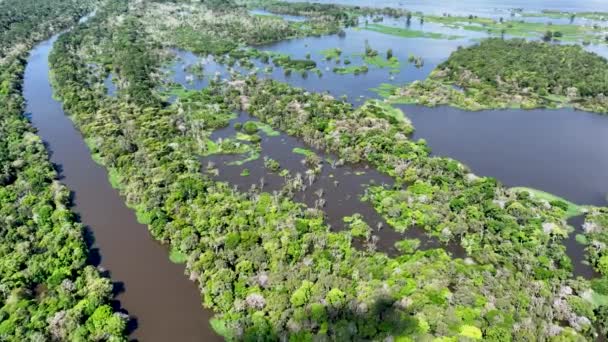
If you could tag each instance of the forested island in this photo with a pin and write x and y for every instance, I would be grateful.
(452, 256)
(500, 73)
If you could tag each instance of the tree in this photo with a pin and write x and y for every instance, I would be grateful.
(389, 53)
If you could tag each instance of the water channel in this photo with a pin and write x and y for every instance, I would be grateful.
(164, 304)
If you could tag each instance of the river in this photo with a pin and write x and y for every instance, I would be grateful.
(163, 303)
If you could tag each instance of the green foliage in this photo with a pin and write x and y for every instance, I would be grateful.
(500, 73)
(331, 54)
(47, 290)
(250, 127)
(596, 233)
(358, 227)
(353, 69)
(407, 33)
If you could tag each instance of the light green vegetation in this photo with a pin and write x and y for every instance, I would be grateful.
(358, 227)
(381, 62)
(602, 16)
(245, 172)
(352, 69)
(246, 137)
(408, 33)
(211, 147)
(572, 209)
(303, 151)
(268, 15)
(386, 90)
(268, 130)
(176, 256)
(565, 32)
(332, 54)
(253, 155)
(513, 74)
(385, 110)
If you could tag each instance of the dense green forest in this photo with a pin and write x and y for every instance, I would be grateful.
(498, 73)
(271, 268)
(47, 290)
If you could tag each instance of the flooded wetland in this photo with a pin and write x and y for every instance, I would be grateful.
(211, 174)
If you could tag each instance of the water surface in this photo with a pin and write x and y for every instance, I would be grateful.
(480, 7)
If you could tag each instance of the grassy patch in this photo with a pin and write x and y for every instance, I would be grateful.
(269, 131)
(385, 90)
(382, 62)
(333, 53)
(302, 151)
(408, 33)
(245, 172)
(520, 28)
(603, 16)
(244, 137)
(220, 328)
(177, 256)
(573, 209)
(352, 69)
(211, 148)
(115, 178)
(595, 298)
(253, 155)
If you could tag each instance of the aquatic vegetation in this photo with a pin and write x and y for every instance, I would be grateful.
(352, 69)
(513, 74)
(553, 14)
(571, 209)
(523, 29)
(332, 54)
(269, 131)
(408, 33)
(303, 151)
